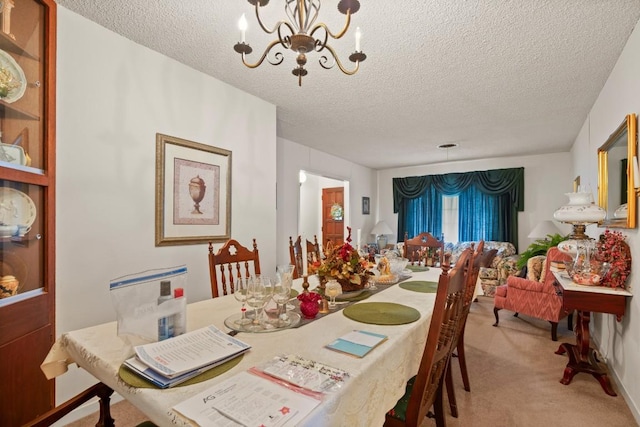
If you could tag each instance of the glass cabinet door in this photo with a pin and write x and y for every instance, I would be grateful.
(26, 143)
(27, 206)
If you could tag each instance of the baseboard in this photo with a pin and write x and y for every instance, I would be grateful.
(613, 375)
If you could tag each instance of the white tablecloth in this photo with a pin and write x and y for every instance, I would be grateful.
(377, 381)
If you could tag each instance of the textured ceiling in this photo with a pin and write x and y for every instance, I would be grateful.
(497, 77)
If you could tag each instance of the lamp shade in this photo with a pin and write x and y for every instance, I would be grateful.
(543, 229)
(580, 210)
(381, 228)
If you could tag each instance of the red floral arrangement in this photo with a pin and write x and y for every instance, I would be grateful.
(344, 264)
(612, 248)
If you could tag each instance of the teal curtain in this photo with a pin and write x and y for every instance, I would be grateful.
(502, 198)
(422, 213)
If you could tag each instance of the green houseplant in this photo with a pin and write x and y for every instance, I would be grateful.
(540, 247)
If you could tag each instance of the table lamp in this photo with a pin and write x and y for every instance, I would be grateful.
(381, 229)
(580, 212)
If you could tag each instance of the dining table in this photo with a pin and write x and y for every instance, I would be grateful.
(376, 381)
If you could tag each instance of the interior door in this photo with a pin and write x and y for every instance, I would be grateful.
(333, 215)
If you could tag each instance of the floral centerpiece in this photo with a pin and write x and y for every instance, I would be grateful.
(612, 248)
(344, 264)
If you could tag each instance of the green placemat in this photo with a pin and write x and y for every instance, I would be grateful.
(359, 297)
(381, 313)
(416, 268)
(134, 380)
(420, 286)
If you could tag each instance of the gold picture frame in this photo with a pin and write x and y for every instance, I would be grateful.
(193, 192)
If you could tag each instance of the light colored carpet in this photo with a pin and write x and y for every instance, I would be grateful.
(514, 377)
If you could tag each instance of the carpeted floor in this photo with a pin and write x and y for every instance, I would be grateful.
(514, 377)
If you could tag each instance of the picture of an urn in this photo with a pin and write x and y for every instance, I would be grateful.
(196, 191)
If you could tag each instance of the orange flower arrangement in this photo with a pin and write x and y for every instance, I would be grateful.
(344, 264)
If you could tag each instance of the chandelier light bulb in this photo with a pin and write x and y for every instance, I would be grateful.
(358, 37)
(242, 24)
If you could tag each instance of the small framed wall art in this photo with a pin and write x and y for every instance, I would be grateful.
(193, 192)
(365, 206)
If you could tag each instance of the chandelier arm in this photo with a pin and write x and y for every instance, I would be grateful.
(323, 59)
(334, 36)
(286, 40)
(264, 55)
(319, 45)
(276, 27)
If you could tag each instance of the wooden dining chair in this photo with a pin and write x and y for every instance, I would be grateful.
(415, 248)
(232, 262)
(295, 254)
(99, 390)
(472, 269)
(425, 389)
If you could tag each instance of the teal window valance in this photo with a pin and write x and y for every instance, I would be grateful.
(506, 185)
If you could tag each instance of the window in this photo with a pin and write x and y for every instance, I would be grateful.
(450, 218)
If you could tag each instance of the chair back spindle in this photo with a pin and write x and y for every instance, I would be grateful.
(231, 263)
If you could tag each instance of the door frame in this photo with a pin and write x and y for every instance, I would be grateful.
(314, 183)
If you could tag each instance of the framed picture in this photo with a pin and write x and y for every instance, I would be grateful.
(193, 192)
(365, 206)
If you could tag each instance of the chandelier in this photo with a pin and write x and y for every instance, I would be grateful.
(302, 35)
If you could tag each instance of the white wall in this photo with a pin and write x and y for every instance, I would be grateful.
(310, 209)
(619, 342)
(293, 157)
(113, 96)
(546, 179)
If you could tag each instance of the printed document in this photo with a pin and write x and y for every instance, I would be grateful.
(248, 400)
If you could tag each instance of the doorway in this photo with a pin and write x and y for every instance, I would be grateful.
(310, 209)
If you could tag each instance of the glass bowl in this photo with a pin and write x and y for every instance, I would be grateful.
(397, 265)
(590, 275)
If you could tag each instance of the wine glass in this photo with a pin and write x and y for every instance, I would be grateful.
(257, 298)
(240, 294)
(332, 289)
(282, 292)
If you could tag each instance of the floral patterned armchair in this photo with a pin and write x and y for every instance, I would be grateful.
(501, 267)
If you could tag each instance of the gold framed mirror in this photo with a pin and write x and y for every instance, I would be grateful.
(616, 193)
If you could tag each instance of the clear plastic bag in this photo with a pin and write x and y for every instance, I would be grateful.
(150, 305)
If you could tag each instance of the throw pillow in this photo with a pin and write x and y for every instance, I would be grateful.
(486, 258)
(535, 267)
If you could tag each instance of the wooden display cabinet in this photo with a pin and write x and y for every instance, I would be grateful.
(27, 206)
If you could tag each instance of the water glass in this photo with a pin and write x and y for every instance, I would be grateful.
(257, 298)
(240, 294)
(282, 293)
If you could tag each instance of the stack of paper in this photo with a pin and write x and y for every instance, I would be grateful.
(170, 362)
(247, 400)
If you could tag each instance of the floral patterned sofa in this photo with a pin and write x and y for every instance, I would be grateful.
(502, 266)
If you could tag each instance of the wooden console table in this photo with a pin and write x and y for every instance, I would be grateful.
(585, 299)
